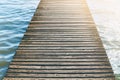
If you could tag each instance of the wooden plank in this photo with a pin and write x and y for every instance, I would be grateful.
(110, 78)
(61, 43)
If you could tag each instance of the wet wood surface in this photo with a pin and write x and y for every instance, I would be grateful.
(61, 43)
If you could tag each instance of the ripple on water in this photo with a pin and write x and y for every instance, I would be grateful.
(15, 16)
(107, 19)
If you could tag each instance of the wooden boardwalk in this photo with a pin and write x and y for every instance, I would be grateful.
(61, 43)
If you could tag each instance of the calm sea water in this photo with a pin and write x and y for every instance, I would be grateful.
(106, 14)
(15, 16)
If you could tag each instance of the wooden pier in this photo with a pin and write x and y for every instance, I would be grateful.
(61, 43)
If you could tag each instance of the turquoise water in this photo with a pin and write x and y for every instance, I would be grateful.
(15, 16)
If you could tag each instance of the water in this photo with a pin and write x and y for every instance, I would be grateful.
(106, 14)
(15, 16)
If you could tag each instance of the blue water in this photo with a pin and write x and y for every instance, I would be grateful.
(15, 16)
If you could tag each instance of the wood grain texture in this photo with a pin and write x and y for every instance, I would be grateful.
(61, 43)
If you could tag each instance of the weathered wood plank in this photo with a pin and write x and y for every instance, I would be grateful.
(61, 43)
